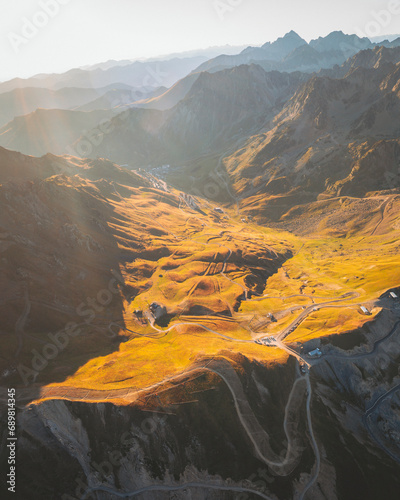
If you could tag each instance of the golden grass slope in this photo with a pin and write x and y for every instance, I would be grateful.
(206, 316)
(221, 279)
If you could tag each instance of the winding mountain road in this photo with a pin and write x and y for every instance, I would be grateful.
(370, 411)
(182, 487)
(314, 308)
(317, 467)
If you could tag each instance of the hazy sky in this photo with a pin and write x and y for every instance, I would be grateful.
(80, 32)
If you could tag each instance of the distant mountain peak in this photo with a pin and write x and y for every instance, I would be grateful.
(337, 40)
(283, 46)
(336, 33)
(293, 34)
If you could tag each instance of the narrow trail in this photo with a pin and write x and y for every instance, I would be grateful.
(382, 210)
(191, 323)
(302, 295)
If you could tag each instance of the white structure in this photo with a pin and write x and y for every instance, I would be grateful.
(393, 295)
(365, 310)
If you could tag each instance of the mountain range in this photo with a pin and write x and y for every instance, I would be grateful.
(138, 74)
(275, 134)
(255, 125)
(293, 53)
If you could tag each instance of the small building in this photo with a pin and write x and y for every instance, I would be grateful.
(365, 311)
(157, 310)
(316, 353)
(393, 295)
(219, 210)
